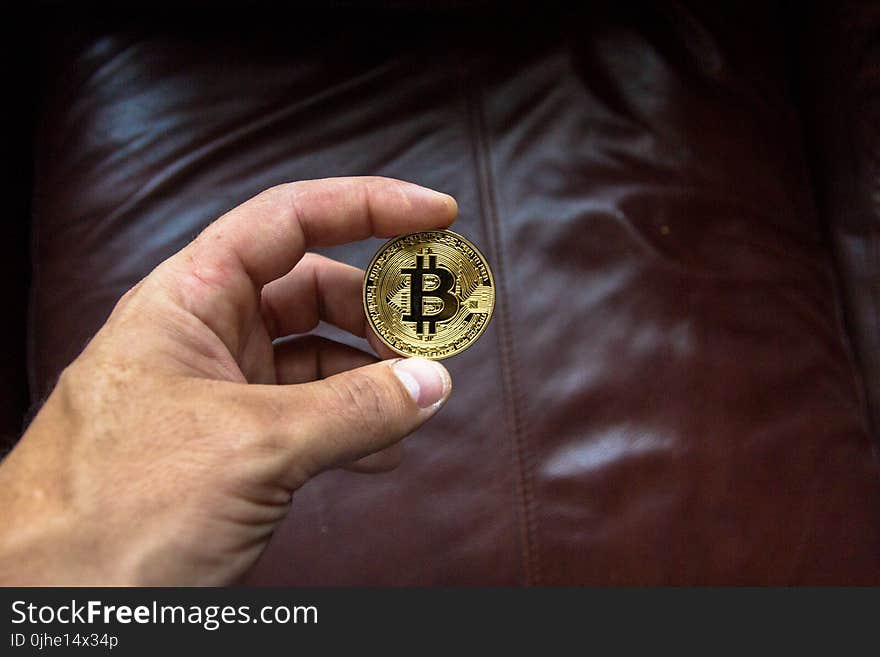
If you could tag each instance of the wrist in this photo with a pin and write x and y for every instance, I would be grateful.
(44, 538)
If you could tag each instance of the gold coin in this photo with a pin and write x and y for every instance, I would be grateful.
(429, 294)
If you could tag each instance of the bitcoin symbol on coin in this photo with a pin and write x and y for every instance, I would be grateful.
(440, 283)
(429, 294)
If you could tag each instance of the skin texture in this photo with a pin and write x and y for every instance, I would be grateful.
(170, 449)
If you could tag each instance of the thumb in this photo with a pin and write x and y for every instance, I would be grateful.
(353, 414)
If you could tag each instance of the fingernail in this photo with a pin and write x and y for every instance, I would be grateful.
(427, 381)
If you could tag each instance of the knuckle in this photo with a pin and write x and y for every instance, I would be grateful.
(263, 424)
(70, 387)
(310, 260)
(96, 388)
(282, 196)
(125, 300)
(364, 398)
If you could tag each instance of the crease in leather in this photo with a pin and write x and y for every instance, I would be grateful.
(860, 134)
(227, 138)
(871, 253)
(524, 461)
(847, 176)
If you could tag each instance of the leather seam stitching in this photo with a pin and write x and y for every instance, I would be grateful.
(488, 203)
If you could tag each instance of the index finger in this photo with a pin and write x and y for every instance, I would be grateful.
(218, 277)
(267, 235)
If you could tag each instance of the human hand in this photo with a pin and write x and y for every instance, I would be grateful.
(169, 450)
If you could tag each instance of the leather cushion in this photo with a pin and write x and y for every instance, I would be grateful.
(665, 394)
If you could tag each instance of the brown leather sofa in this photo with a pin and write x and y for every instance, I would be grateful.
(681, 384)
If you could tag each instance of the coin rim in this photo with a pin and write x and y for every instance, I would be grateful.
(383, 248)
